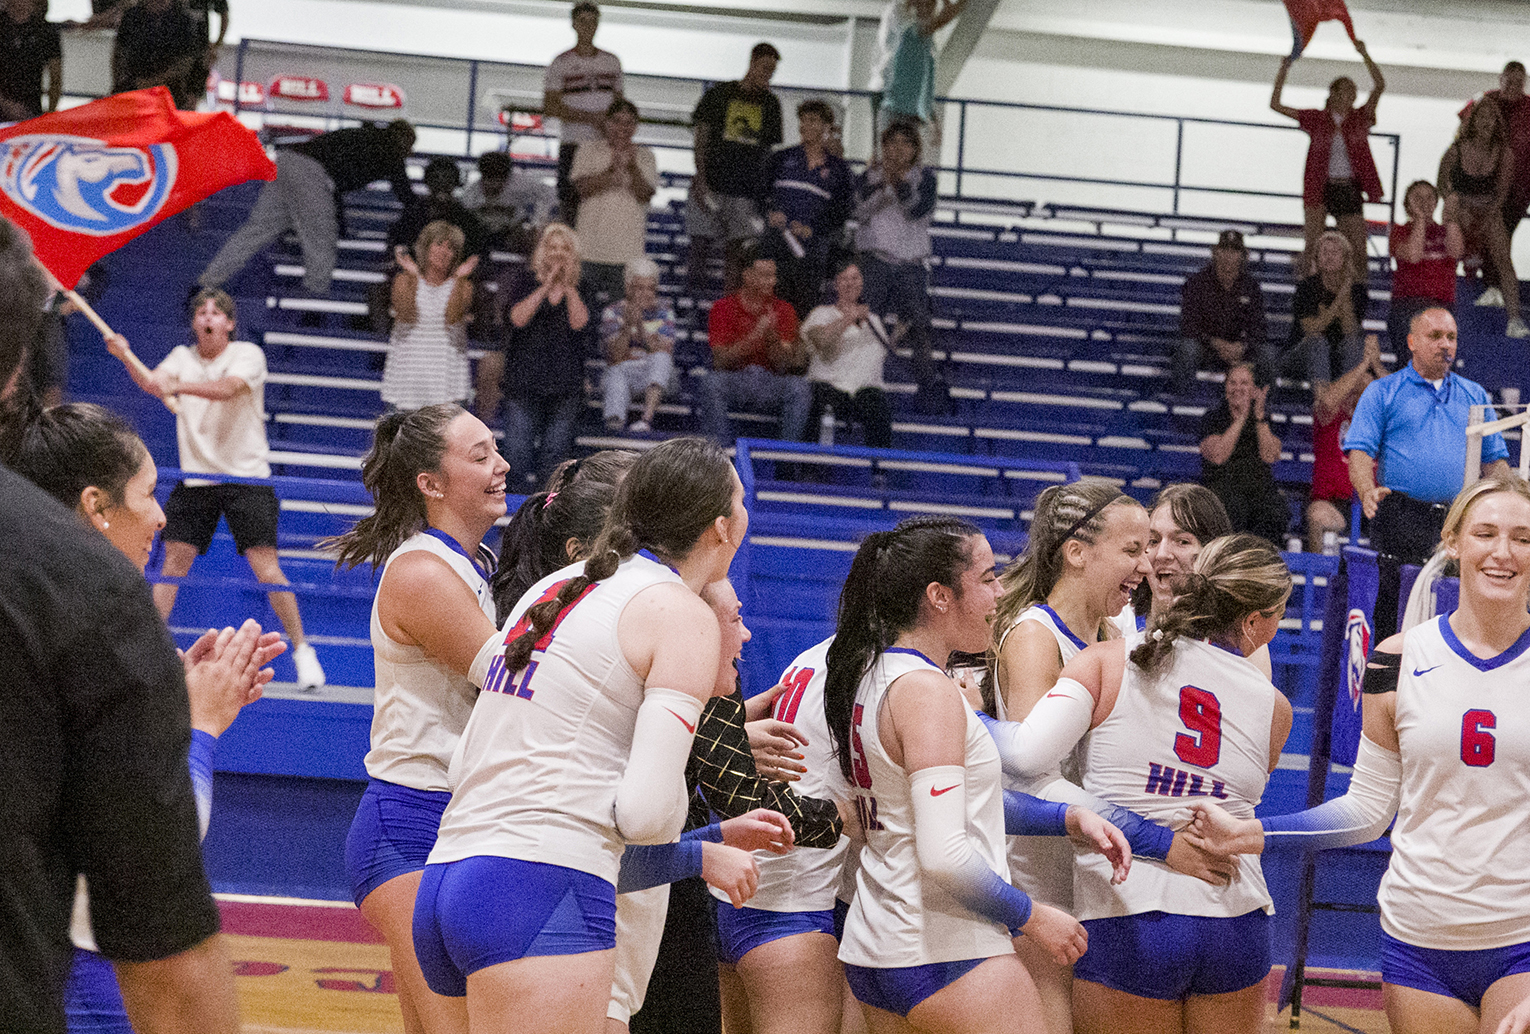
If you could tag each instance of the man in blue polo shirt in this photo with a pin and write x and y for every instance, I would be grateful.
(1413, 423)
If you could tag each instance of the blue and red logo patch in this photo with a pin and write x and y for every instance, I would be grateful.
(84, 185)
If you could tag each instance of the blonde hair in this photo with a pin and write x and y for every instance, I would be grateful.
(1455, 517)
(550, 231)
(1341, 240)
(434, 232)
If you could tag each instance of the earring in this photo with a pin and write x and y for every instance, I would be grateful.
(105, 524)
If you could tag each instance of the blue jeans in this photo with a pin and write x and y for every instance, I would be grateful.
(753, 389)
(539, 435)
(902, 288)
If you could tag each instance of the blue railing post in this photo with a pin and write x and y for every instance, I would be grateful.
(1179, 156)
(961, 143)
(472, 111)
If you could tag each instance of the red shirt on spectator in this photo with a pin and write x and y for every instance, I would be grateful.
(731, 321)
(1330, 470)
(1432, 277)
(1356, 127)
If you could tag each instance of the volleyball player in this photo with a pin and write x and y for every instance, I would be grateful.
(927, 940)
(1181, 519)
(1085, 556)
(87, 458)
(577, 746)
(1183, 715)
(439, 485)
(1446, 748)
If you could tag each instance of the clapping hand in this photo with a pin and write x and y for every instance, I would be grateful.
(1260, 394)
(466, 269)
(406, 261)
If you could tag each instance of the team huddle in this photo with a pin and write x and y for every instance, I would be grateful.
(1063, 841)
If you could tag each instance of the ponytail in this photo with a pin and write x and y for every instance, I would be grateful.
(881, 600)
(669, 497)
(404, 445)
(1233, 577)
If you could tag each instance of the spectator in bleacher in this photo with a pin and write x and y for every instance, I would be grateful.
(1426, 254)
(1221, 313)
(440, 204)
(158, 44)
(736, 125)
(1333, 404)
(637, 335)
(202, 12)
(432, 294)
(811, 193)
(1406, 447)
(512, 205)
(1515, 107)
(895, 199)
(1238, 455)
(1341, 172)
(906, 77)
(847, 345)
(221, 430)
(757, 359)
(615, 179)
(1327, 314)
(579, 86)
(1476, 174)
(549, 331)
(308, 197)
(32, 53)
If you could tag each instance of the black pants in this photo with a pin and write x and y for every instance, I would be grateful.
(1258, 510)
(1404, 531)
(568, 197)
(869, 406)
(683, 997)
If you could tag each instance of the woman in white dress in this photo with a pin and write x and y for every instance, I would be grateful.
(427, 354)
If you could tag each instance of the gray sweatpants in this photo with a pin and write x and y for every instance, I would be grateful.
(301, 198)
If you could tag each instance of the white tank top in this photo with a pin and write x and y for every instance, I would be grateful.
(807, 878)
(1201, 729)
(1459, 878)
(536, 770)
(420, 704)
(427, 359)
(1042, 866)
(898, 917)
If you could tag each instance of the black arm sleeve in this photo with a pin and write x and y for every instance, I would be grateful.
(722, 766)
(1381, 671)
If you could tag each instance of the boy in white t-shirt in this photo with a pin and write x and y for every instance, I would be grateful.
(220, 385)
(579, 85)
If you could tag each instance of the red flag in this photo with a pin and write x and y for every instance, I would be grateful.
(1305, 15)
(85, 181)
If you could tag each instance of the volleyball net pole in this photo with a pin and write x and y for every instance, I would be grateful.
(1478, 425)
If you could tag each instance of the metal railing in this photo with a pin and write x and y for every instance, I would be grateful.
(986, 150)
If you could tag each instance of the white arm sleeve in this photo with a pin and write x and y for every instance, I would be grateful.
(946, 855)
(1358, 817)
(651, 799)
(1057, 722)
(492, 647)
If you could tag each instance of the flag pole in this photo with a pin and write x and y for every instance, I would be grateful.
(129, 360)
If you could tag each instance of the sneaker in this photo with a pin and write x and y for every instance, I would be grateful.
(1491, 298)
(310, 675)
(639, 427)
(1517, 328)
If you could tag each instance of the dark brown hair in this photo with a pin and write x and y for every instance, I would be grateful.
(69, 448)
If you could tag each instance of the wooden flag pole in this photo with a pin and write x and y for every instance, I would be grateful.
(129, 360)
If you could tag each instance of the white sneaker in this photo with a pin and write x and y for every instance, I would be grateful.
(639, 427)
(1492, 298)
(1517, 328)
(310, 675)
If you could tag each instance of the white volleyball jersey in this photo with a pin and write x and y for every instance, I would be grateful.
(807, 878)
(536, 770)
(420, 704)
(900, 918)
(1201, 729)
(1459, 878)
(640, 918)
(1042, 866)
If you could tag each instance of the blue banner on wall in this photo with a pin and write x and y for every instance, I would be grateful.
(1364, 580)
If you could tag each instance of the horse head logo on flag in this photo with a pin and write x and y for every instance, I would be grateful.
(1357, 636)
(86, 186)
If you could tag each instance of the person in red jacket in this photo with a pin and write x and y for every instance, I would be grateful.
(1341, 173)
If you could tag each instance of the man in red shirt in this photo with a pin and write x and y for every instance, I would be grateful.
(1426, 253)
(1341, 173)
(757, 359)
(1515, 106)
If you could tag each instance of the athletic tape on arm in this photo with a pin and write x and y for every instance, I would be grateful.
(651, 798)
(1358, 817)
(946, 855)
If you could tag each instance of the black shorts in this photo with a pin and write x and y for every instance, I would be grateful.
(1342, 197)
(191, 515)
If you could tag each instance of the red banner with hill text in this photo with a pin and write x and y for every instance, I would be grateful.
(85, 181)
